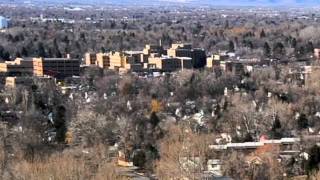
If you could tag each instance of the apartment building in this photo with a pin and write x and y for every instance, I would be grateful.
(17, 67)
(56, 67)
(185, 50)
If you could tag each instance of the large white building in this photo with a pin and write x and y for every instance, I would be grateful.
(3, 22)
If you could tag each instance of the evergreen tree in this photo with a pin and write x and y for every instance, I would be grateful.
(56, 50)
(6, 55)
(276, 124)
(40, 50)
(24, 52)
(309, 47)
(18, 54)
(302, 51)
(266, 50)
(60, 123)
(262, 34)
(313, 162)
(154, 120)
(279, 49)
(102, 49)
(302, 122)
(276, 128)
(226, 24)
(294, 43)
(231, 46)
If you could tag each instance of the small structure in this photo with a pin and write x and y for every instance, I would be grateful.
(317, 53)
(122, 160)
(214, 166)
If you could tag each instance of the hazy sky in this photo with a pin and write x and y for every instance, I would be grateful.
(253, 2)
(193, 2)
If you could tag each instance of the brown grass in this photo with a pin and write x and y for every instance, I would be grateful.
(68, 165)
(57, 167)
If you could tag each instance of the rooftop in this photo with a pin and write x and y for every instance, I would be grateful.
(133, 52)
(61, 59)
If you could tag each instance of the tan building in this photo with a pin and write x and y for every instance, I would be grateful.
(103, 60)
(169, 64)
(56, 67)
(215, 60)
(211, 61)
(180, 50)
(117, 60)
(151, 49)
(17, 67)
(129, 60)
(90, 59)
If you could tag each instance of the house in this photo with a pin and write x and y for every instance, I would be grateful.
(214, 166)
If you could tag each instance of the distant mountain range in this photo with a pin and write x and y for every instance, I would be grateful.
(175, 2)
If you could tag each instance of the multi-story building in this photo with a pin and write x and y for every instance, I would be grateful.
(17, 67)
(169, 64)
(12, 82)
(117, 60)
(129, 60)
(180, 50)
(185, 50)
(198, 57)
(103, 60)
(56, 67)
(180, 56)
(151, 49)
(90, 59)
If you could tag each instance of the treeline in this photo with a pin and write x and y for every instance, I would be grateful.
(251, 37)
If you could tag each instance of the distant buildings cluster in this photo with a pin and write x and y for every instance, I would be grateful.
(21, 70)
(153, 58)
(180, 56)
